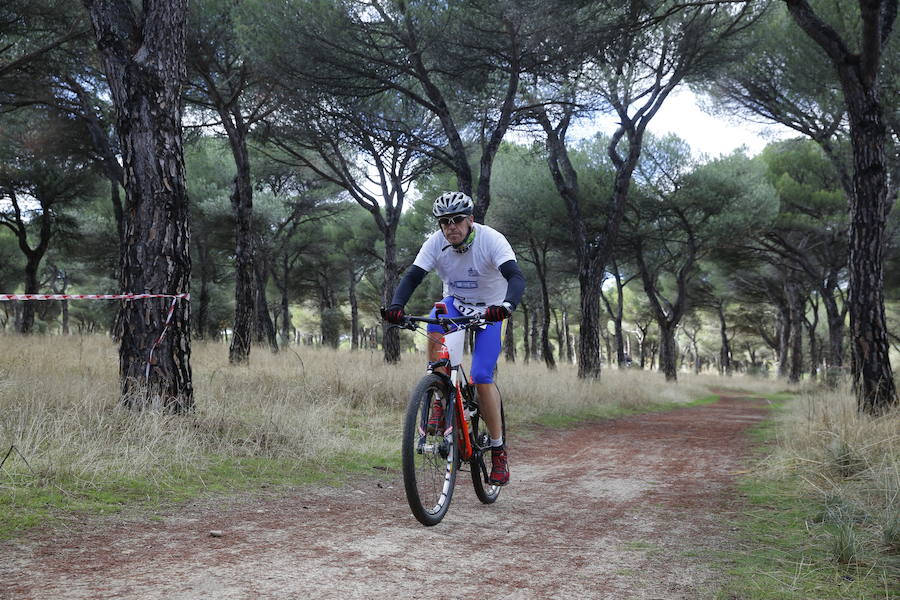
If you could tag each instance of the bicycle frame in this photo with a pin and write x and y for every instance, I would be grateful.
(432, 455)
(457, 377)
(456, 373)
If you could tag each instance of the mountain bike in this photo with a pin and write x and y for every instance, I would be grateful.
(433, 455)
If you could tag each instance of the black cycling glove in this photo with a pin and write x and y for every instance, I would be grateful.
(496, 313)
(393, 314)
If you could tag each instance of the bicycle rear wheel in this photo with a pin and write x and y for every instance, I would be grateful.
(480, 463)
(429, 459)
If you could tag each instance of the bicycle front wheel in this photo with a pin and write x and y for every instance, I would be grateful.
(480, 464)
(429, 458)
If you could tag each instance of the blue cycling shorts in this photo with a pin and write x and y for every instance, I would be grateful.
(486, 348)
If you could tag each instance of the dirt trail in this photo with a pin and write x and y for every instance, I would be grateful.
(624, 509)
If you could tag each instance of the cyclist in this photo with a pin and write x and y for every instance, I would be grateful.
(481, 277)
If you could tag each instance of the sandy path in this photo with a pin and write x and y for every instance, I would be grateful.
(620, 509)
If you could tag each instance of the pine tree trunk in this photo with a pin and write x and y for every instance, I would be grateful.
(589, 359)
(509, 339)
(546, 348)
(286, 324)
(696, 357)
(873, 379)
(617, 316)
(540, 265)
(871, 200)
(244, 268)
(525, 336)
(354, 313)
(620, 342)
(65, 317)
(668, 351)
(607, 343)
(116, 200)
(725, 351)
(390, 338)
(536, 347)
(265, 328)
(835, 318)
(796, 339)
(813, 352)
(144, 62)
(32, 263)
(784, 338)
(202, 317)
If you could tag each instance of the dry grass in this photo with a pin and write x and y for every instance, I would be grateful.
(58, 406)
(852, 463)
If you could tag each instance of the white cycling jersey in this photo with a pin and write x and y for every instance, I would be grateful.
(473, 276)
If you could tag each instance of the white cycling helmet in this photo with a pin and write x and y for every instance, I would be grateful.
(452, 203)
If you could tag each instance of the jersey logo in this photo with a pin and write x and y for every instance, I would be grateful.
(473, 272)
(464, 285)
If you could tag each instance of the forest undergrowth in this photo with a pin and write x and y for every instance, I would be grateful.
(824, 503)
(307, 414)
(299, 415)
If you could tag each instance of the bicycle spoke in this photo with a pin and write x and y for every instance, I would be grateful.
(429, 459)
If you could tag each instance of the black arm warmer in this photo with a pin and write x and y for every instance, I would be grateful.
(515, 282)
(411, 280)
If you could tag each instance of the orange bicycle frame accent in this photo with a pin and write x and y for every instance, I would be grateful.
(466, 445)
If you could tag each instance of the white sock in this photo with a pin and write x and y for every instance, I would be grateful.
(496, 443)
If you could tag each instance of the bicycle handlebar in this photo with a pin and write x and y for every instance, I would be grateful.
(447, 321)
(410, 322)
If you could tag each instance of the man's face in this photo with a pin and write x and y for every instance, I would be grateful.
(455, 227)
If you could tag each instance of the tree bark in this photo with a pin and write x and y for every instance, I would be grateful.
(814, 350)
(354, 312)
(242, 209)
(667, 314)
(836, 317)
(536, 348)
(281, 282)
(725, 351)
(509, 340)
(617, 314)
(31, 287)
(873, 379)
(642, 343)
(795, 341)
(592, 249)
(589, 359)
(265, 328)
(390, 339)
(871, 200)
(201, 315)
(20, 226)
(668, 350)
(525, 335)
(539, 263)
(143, 56)
(784, 338)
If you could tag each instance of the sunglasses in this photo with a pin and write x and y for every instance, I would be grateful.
(455, 220)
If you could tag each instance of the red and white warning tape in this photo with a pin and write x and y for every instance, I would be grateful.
(90, 296)
(175, 298)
